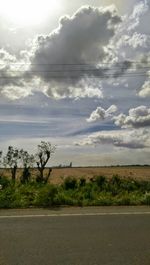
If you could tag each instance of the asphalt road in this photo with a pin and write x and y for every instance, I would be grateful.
(94, 236)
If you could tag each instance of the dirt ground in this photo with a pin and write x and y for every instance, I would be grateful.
(59, 174)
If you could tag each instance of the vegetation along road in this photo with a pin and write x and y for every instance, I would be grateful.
(75, 236)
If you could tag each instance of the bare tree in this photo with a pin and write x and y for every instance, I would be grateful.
(1, 157)
(27, 161)
(11, 160)
(45, 151)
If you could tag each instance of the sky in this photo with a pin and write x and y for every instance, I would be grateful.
(77, 74)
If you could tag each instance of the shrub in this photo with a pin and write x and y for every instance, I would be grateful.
(4, 181)
(70, 183)
(123, 199)
(143, 186)
(146, 199)
(82, 182)
(115, 180)
(45, 196)
(77, 193)
(129, 185)
(104, 199)
(63, 198)
(27, 193)
(100, 181)
(7, 197)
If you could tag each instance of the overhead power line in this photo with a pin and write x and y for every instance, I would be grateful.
(147, 68)
(69, 71)
(82, 64)
(79, 76)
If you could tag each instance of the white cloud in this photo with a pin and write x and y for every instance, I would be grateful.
(131, 36)
(138, 117)
(126, 139)
(101, 114)
(145, 90)
(12, 76)
(67, 90)
(138, 12)
(135, 41)
(14, 93)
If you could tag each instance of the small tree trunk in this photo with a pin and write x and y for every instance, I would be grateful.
(48, 175)
(13, 173)
(41, 174)
(25, 175)
(40, 178)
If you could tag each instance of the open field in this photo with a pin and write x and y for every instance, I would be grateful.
(59, 174)
(129, 172)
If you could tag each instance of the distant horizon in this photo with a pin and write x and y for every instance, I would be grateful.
(94, 166)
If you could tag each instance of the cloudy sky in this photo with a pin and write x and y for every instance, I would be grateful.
(76, 73)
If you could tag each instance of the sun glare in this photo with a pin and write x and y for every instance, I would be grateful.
(28, 12)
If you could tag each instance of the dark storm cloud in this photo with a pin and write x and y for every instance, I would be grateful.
(79, 39)
(72, 60)
(75, 50)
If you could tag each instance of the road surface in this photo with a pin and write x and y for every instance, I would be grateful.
(74, 236)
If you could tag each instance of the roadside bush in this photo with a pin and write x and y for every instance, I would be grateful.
(70, 183)
(128, 198)
(124, 199)
(7, 197)
(146, 199)
(27, 194)
(116, 180)
(65, 198)
(100, 192)
(103, 199)
(5, 182)
(114, 185)
(143, 186)
(129, 185)
(89, 193)
(82, 182)
(100, 181)
(45, 196)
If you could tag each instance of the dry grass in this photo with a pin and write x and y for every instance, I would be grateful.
(128, 172)
(59, 174)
